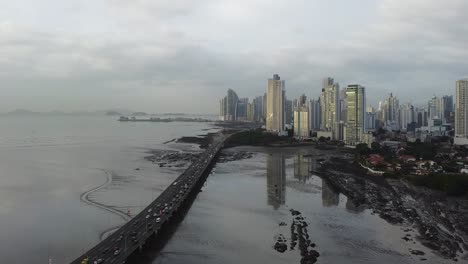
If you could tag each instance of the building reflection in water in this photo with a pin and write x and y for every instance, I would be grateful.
(276, 179)
(302, 167)
(330, 197)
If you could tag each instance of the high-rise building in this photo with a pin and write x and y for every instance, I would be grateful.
(241, 109)
(258, 109)
(222, 108)
(250, 112)
(461, 112)
(314, 114)
(390, 114)
(406, 115)
(330, 106)
(434, 107)
(288, 111)
(355, 125)
(370, 118)
(301, 118)
(231, 105)
(275, 104)
(447, 108)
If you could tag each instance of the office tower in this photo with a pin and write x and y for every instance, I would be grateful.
(330, 106)
(355, 126)
(406, 115)
(258, 108)
(241, 109)
(250, 112)
(447, 108)
(288, 111)
(301, 118)
(314, 114)
(434, 108)
(302, 101)
(275, 104)
(370, 118)
(343, 106)
(264, 107)
(231, 105)
(390, 114)
(461, 112)
(222, 108)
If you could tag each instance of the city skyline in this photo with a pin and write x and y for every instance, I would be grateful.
(77, 55)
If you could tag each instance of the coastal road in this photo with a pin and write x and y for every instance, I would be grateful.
(133, 235)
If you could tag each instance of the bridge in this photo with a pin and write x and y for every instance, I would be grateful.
(116, 248)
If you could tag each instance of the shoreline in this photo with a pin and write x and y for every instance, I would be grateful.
(434, 216)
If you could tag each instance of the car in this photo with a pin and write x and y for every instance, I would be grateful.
(98, 261)
(147, 216)
(105, 251)
(149, 210)
(116, 251)
(150, 226)
(174, 184)
(155, 214)
(119, 238)
(158, 220)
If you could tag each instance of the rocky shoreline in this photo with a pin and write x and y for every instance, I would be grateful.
(439, 221)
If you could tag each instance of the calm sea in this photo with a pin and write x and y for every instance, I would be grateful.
(47, 165)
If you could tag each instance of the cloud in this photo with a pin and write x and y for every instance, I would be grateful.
(166, 55)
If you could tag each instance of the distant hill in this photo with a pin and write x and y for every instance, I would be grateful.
(113, 113)
(22, 112)
(139, 114)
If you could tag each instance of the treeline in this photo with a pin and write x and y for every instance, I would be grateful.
(257, 137)
(450, 183)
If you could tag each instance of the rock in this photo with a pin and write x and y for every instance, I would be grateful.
(281, 247)
(282, 224)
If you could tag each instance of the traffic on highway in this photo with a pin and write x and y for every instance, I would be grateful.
(118, 246)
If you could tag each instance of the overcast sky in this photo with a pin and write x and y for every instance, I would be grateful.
(182, 56)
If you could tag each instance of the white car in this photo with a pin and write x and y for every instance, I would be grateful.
(158, 220)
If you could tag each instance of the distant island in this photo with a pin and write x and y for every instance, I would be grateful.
(157, 119)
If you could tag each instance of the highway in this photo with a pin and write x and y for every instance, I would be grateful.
(132, 235)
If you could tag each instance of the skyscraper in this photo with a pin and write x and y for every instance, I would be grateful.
(461, 112)
(406, 115)
(355, 126)
(434, 107)
(314, 114)
(288, 111)
(301, 118)
(258, 108)
(231, 105)
(222, 108)
(330, 106)
(275, 104)
(390, 113)
(241, 109)
(447, 108)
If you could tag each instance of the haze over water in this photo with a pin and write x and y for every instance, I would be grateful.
(47, 163)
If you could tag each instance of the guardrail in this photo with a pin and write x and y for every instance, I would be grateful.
(111, 250)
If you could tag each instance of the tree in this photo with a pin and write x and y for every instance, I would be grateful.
(362, 149)
(375, 147)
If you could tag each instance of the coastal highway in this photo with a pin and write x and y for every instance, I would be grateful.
(133, 235)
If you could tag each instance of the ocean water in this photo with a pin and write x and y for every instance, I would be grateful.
(237, 216)
(65, 182)
(49, 163)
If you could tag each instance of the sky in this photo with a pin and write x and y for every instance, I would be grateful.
(182, 56)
